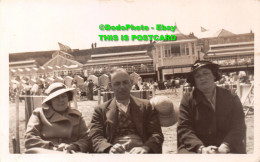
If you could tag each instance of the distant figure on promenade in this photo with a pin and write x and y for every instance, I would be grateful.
(135, 87)
(177, 82)
(173, 86)
(35, 89)
(125, 124)
(155, 84)
(145, 86)
(27, 88)
(90, 89)
(84, 90)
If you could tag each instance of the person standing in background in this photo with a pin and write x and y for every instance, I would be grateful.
(90, 88)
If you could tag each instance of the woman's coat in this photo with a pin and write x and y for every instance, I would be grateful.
(200, 125)
(47, 128)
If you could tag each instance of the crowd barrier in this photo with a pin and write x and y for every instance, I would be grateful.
(144, 94)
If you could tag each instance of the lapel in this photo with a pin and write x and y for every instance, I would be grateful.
(111, 112)
(54, 116)
(74, 116)
(201, 103)
(222, 104)
(201, 99)
(111, 120)
(112, 117)
(73, 112)
(136, 111)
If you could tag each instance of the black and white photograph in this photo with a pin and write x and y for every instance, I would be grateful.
(95, 79)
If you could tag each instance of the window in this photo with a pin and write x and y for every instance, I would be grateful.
(175, 49)
(165, 53)
(182, 49)
(192, 48)
(186, 49)
(158, 52)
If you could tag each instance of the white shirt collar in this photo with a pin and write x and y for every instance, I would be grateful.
(123, 107)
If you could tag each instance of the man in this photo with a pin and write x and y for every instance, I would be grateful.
(125, 124)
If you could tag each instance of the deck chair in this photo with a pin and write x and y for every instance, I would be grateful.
(31, 102)
(247, 100)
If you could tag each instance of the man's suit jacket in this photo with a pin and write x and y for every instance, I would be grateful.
(104, 123)
(200, 125)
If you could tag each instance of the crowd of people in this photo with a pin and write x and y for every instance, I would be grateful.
(210, 121)
(38, 87)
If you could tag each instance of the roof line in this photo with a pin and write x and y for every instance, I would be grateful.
(49, 60)
(19, 62)
(63, 58)
(119, 53)
(237, 52)
(228, 44)
(175, 42)
(118, 59)
(106, 63)
(230, 49)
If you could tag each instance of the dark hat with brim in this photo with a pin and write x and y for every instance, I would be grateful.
(203, 64)
(54, 90)
(165, 109)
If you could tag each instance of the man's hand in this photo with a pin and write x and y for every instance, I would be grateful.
(139, 150)
(209, 150)
(68, 148)
(117, 148)
(62, 147)
(71, 148)
(223, 149)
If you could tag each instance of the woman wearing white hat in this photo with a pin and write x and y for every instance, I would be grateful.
(56, 126)
(211, 120)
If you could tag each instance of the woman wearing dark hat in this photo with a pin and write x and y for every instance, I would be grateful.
(211, 120)
(56, 126)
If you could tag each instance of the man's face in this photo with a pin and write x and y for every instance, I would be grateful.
(204, 79)
(121, 85)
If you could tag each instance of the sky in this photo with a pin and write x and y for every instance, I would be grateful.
(30, 25)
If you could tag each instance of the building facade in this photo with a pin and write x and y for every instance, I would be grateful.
(133, 61)
(233, 52)
(156, 61)
(173, 59)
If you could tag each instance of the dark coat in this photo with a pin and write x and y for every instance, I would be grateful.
(200, 125)
(104, 125)
(47, 128)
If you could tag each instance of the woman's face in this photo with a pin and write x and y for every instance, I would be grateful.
(204, 79)
(60, 103)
